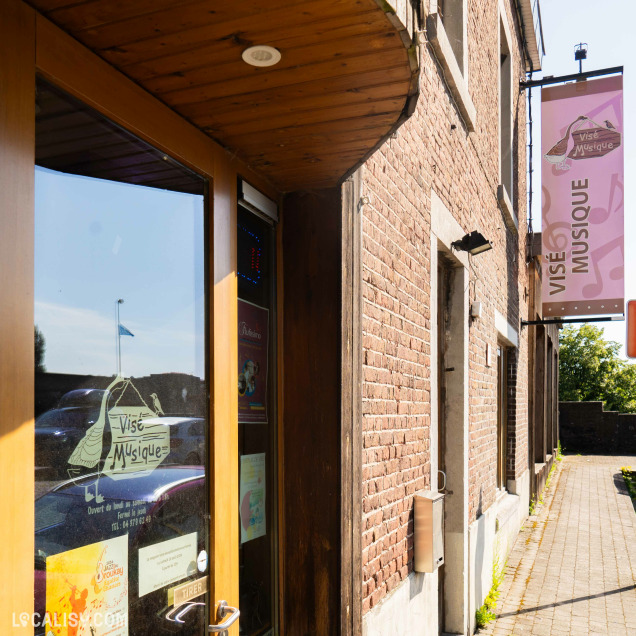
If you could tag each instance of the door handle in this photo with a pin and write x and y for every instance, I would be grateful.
(223, 610)
(444, 486)
(179, 617)
(446, 492)
(176, 614)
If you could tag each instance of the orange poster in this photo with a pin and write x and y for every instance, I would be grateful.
(87, 590)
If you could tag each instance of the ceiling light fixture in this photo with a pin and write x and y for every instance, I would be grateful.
(261, 55)
(473, 243)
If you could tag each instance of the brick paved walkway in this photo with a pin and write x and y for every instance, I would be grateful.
(572, 570)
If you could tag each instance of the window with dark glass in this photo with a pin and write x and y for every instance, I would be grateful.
(505, 112)
(502, 414)
(257, 424)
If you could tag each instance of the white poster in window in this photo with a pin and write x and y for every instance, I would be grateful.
(167, 562)
(252, 497)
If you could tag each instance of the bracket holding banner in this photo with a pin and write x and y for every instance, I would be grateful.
(563, 321)
(550, 79)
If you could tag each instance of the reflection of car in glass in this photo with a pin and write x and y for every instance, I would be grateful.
(187, 439)
(169, 502)
(58, 431)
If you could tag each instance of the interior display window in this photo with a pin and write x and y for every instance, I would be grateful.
(121, 386)
(257, 425)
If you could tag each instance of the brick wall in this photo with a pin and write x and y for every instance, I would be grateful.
(585, 427)
(434, 151)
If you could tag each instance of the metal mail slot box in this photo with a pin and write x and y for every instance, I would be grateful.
(429, 530)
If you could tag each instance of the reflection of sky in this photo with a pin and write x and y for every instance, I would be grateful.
(608, 30)
(97, 241)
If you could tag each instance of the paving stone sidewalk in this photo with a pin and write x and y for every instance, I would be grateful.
(572, 570)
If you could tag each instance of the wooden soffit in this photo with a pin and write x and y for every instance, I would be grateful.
(347, 75)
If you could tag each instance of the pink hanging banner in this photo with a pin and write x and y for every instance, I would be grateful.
(582, 179)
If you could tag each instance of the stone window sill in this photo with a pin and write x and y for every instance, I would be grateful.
(458, 86)
(506, 207)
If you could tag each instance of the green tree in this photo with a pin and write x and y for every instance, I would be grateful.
(40, 348)
(590, 370)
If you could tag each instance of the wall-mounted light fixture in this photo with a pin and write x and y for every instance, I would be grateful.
(473, 243)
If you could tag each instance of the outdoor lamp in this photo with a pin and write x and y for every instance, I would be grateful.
(473, 243)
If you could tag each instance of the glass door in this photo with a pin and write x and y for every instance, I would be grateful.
(121, 382)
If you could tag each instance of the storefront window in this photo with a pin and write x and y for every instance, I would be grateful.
(257, 424)
(121, 516)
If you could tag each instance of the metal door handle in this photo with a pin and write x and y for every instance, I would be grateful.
(223, 610)
(176, 614)
(178, 618)
(444, 486)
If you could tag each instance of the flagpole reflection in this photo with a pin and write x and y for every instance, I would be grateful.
(121, 331)
(120, 301)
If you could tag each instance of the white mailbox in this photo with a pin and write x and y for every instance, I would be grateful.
(428, 530)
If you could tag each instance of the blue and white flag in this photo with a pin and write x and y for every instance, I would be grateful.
(125, 332)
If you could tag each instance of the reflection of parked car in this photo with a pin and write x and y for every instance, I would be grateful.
(58, 431)
(169, 502)
(82, 397)
(187, 439)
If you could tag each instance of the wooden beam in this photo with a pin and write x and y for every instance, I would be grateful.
(224, 486)
(17, 473)
(351, 409)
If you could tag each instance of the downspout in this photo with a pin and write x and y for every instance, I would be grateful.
(524, 43)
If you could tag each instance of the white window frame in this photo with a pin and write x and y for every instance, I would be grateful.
(505, 189)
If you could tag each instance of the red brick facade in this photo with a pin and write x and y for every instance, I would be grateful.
(433, 151)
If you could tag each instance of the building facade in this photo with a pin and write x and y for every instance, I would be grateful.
(280, 196)
(447, 370)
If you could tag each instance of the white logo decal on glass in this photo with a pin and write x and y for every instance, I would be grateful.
(137, 446)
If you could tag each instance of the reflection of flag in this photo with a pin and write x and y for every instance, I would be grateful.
(125, 332)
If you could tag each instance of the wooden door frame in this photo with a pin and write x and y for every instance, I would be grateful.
(17, 152)
(351, 410)
(30, 45)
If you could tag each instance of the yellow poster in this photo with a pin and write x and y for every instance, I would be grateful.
(87, 590)
(252, 497)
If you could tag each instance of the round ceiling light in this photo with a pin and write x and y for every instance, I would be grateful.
(261, 55)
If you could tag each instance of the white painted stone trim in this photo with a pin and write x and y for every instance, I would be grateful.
(506, 331)
(411, 608)
(444, 230)
(492, 536)
(506, 207)
(456, 80)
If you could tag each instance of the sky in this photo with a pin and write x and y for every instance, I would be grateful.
(608, 30)
(97, 241)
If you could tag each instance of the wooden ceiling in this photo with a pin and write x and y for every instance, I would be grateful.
(340, 87)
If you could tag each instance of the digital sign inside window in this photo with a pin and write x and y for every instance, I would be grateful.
(250, 256)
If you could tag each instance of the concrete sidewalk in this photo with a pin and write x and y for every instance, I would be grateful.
(572, 570)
